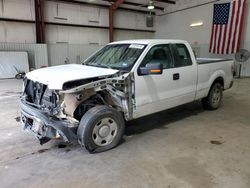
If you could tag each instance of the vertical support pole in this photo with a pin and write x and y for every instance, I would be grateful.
(112, 9)
(39, 19)
(111, 24)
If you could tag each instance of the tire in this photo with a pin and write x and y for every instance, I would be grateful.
(101, 128)
(214, 98)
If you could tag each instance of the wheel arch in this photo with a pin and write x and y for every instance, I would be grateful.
(213, 101)
(220, 80)
(90, 102)
(99, 98)
(217, 77)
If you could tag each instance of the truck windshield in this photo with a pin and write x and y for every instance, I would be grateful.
(116, 56)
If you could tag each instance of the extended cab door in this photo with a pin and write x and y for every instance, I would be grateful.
(175, 86)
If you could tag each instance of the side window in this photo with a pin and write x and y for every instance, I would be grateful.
(159, 54)
(182, 56)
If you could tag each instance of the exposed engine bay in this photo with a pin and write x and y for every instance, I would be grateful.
(62, 109)
(39, 96)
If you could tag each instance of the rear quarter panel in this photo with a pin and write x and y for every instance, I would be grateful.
(209, 72)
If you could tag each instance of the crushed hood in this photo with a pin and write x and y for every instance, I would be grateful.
(55, 77)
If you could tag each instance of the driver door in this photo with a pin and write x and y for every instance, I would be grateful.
(176, 85)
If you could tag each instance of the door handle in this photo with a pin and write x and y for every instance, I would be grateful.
(176, 76)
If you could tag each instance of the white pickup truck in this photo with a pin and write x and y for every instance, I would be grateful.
(125, 80)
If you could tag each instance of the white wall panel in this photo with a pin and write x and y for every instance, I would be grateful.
(64, 42)
(57, 54)
(104, 17)
(15, 32)
(2, 32)
(128, 35)
(176, 25)
(19, 9)
(68, 13)
(129, 19)
(76, 35)
(75, 14)
(1, 8)
(63, 53)
(246, 36)
(183, 4)
(90, 15)
(52, 54)
(37, 53)
(50, 10)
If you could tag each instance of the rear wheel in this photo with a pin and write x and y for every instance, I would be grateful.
(101, 128)
(214, 98)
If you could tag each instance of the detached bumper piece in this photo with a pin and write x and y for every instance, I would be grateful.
(44, 127)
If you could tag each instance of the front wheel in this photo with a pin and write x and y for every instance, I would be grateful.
(214, 98)
(101, 128)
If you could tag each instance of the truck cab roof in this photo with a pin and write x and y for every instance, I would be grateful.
(149, 41)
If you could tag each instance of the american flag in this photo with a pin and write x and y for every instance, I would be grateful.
(227, 27)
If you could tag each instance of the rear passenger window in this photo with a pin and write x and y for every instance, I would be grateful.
(182, 56)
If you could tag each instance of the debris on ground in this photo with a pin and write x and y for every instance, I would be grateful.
(216, 142)
(42, 150)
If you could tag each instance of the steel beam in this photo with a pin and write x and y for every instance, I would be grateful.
(39, 20)
(75, 25)
(111, 24)
(116, 4)
(167, 1)
(98, 5)
(112, 9)
(137, 5)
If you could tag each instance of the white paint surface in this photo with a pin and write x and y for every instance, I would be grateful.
(56, 76)
(154, 93)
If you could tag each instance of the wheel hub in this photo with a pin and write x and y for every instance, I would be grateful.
(104, 131)
(216, 96)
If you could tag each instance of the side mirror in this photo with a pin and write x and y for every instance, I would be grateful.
(151, 68)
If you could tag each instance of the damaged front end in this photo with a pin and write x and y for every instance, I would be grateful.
(52, 114)
(40, 108)
(117, 92)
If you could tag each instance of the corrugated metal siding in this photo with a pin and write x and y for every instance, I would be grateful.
(69, 53)
(52, 54)
(37, 53)
(245, 70)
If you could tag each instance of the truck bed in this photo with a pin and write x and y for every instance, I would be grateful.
(201, 61)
